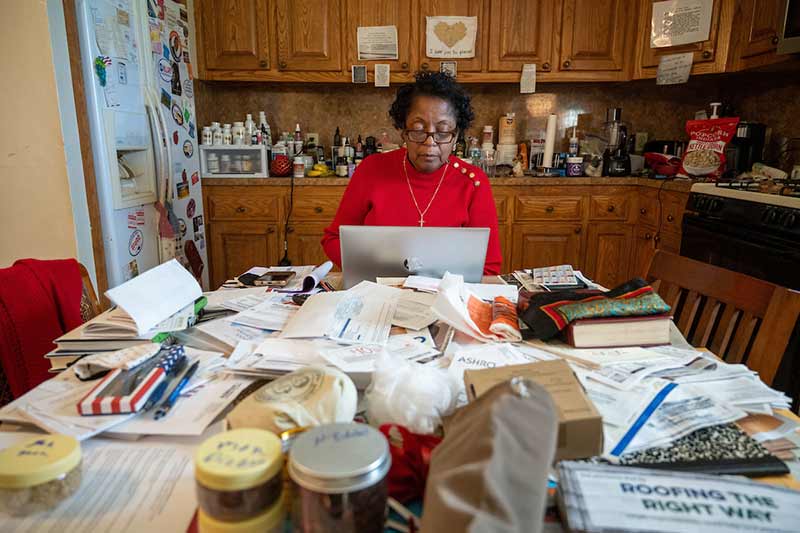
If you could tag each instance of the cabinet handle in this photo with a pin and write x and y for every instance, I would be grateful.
(775, 39)
(318, 209)
(656, 238)
(670, 218)
(643, 211)
(611, 209)
(290, 229)
(282, 64)
(270, 230)
(262, 63)
(647, 236)
(404, 65)
(546, 67)
(707, 54)
(241, 209)
(567, 64)
(549, 209)
(424, 66)
(578, 229)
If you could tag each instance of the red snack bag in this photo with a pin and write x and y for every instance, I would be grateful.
(705, 154)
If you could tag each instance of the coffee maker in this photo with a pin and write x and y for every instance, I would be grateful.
(746, 148)
(616, 160)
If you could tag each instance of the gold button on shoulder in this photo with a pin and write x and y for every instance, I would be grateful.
(463, 170)
(471, 174)
(477, 182)
(456, 165)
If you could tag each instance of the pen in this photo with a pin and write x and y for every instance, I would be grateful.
(159, 391)
(173, 397)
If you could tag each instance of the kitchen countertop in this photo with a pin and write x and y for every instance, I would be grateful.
(669, 185)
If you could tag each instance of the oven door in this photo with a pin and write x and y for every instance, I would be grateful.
(741, 249)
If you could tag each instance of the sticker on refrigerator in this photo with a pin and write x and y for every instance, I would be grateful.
(182, 227)
(165, 69)
(165, 50)
(191, 130)
(175, 47)
(132, 221)
(200, 240)
(183, 186)
(195, 261)
(177, 114)
(135, 242)
(122, 73)
(184, 16)
(166, 99)
(101, 64)
(175, 138)
(140, 217)
(133, 269)
(197, 224)
(190, 208)
(123, 17)
(175, 81)
(155, 35)
(188, 88)
(188, 148)
(195, 178)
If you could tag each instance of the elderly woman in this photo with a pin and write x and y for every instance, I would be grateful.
(421, 184)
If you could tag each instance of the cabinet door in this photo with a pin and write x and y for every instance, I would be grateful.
(603, 48)
(521, 31)
(304, 244)
(398, 13)
(309, 35)
(540, 245)
(234, 34)
(705, 52)
(756, 30)
(608, 252)
(237, 246)
(455, 8)
(644, 246)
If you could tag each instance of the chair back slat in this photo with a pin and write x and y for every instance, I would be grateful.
(723, 334)
(706, 323)
(688, 312)
(774, 334)
(742, 339)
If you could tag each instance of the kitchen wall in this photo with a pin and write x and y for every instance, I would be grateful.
(661, 111)
(35, 209)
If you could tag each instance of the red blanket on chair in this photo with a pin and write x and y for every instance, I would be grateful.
(39, 301)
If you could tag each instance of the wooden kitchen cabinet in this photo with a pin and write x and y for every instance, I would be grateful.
(538, 245)
(399, 13)
(520, 32)
(709, 56)
(643, 249)
(608, 251)
(304, 245)
(236, 246)
(455, 8)
(596, 39)
(755, 36)
(309, 35)
(234, 34)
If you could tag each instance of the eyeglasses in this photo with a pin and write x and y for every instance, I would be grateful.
(439, 137)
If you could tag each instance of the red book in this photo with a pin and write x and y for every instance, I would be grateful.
(616, 332)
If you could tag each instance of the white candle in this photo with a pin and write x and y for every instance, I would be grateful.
(549, 141)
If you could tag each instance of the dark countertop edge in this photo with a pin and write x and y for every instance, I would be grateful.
(671, 185)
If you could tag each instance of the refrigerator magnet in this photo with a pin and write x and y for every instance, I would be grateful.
(165, 49)
(165, 70)
(195, 178)
(182, 227)
(175, 46)
(188, 148)
(177, 114)
(166, 99)
(190, 208)
(175, 138)
(183, 189)
(135, 242)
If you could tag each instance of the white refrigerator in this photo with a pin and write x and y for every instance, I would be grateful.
(140, 100)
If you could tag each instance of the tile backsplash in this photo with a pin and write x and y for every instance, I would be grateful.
(661, 111)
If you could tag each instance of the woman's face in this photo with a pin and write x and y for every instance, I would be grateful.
(429, 114)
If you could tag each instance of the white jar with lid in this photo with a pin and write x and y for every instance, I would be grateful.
(236, 164)
(238, 133)
(225, 164)
(208, 136)
(488, 134)
(212, 163)
(227, 136)
(247, 164)
(299, 166)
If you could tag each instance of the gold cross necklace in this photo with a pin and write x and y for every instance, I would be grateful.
(414, 198)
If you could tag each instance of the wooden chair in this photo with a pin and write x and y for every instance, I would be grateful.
(90, 305)
(739, 318)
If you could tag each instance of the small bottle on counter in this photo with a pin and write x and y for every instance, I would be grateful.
(227, 136)
(216, 134)
(359, 154)
(299, 166)
(298, 135)
(208, 137)
(238, 133)
(337, 138)
(247, 164)
(573, 142)
(236, 164)
(225, 164)
(249, 129)
(461, 145)
(488, 134)
(474, 151)
(212, 163)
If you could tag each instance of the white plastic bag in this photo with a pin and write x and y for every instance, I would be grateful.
(410, 394)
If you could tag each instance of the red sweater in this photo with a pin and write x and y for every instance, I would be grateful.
(378, 196)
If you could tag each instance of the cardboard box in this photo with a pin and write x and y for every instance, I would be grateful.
(580, 429)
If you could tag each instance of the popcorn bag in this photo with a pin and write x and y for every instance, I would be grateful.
(705, 154)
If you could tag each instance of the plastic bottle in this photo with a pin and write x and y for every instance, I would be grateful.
(573, 142)
(227, 136)
(238, 133)
(298, 135)
(208, 137)
(249, 129)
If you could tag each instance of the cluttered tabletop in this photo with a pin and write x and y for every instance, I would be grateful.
(533, 401)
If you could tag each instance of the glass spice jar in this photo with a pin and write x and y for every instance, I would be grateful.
(38, 473)
(238, 475)
(338, 474)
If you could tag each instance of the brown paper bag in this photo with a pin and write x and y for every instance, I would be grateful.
(490, 471)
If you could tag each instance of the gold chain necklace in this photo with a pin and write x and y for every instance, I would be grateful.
(414, 198)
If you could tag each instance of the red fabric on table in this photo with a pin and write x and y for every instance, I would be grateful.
(39, 302)
(378, 195)
(411, 460)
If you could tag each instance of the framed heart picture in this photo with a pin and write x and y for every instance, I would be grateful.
(451, 37)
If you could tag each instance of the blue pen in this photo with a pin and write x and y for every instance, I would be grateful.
(162, 387)
(173, 397)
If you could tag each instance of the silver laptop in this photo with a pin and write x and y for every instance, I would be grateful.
(386, 251)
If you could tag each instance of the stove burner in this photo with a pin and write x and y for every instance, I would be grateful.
(781, 187)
